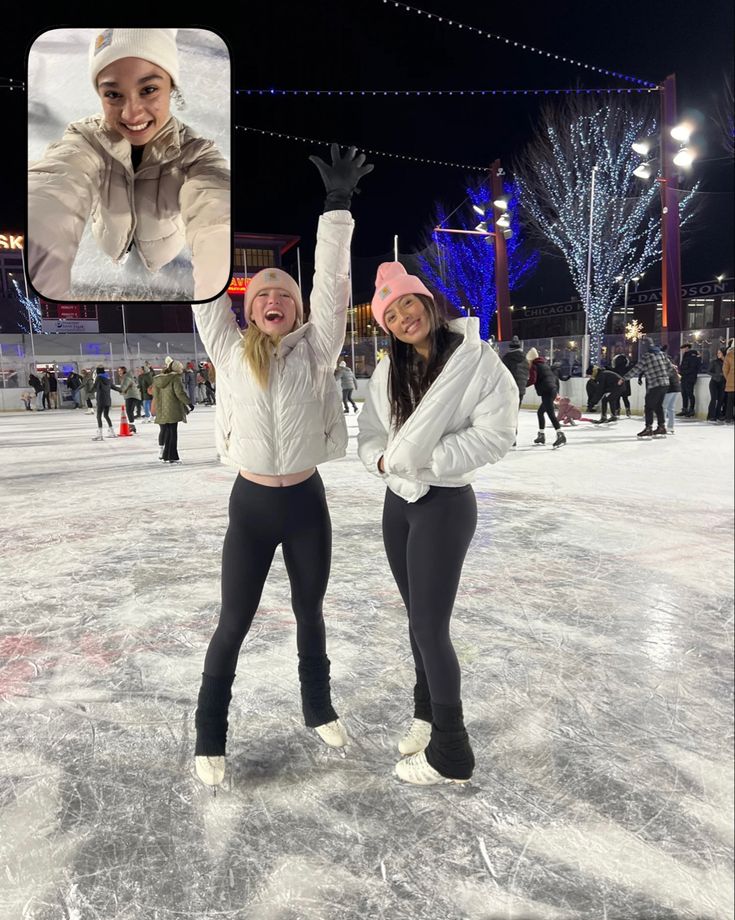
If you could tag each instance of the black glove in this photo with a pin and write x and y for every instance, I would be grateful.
(191, 407)
(341, 178)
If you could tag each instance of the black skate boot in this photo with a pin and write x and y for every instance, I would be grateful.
(661, 430)
(540, 438)
(646, 433)
(561, 439)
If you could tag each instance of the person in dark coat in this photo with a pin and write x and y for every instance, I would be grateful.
(53, 390)
(546, 383)
(671, 395)
(172, 406)
(716, 409)
(103, 398)
(689, 368)
(621, 366)
(516, 362)
(35, 382)
(74, 382)
(190, 382)
(654, 365)
(607, 386)
(145, 385)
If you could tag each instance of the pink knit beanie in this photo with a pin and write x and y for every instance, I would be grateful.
(392, 282)
(273, 278)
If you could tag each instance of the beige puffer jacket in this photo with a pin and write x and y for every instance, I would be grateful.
(179, 195)
(466, 418)
(297, 422)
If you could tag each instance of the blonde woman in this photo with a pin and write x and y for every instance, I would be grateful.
(278, 417)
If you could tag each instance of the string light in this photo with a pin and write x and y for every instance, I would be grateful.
(524, 47)
(33, 309)
(11, 84)
(272, 91)
(379, 153)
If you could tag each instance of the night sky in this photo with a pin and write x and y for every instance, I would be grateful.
(368, 44)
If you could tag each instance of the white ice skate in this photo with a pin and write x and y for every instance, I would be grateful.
(416, 738)
(98, 436)
(210, 770)
(418, 771)
(333, 734)
(111, 433)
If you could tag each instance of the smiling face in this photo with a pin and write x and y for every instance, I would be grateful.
(273, 311)
(136, 98)
(409, 321)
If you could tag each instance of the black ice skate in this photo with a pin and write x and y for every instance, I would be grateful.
(646, 433)
(540, 438)
(561, 439)
(660, 431)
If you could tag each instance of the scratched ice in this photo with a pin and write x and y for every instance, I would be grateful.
(60, 92)
(593, 623)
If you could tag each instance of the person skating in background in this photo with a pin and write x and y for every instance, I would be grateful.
(45, 380)
(606, 386)
(621, 366)
(129, 391)
(172, 406)
(278, 417)
(74, 383)
(103, 399)
(205, 370)
(689, 368)
(145, 385)
(347, 382)
(716, 409)
(440, 406)
(566, 411)
(35, 382)
(728, 369)
(53, 389)
(27, 398)
(190, 382)
(517, 364)
(672, 394)
(87, 389)
(654, 366)
(546, 384)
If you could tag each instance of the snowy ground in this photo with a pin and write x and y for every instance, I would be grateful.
(594, 626)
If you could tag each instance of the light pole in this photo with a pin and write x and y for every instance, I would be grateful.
(673, 152)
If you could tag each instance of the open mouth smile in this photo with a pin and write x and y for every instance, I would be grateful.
(137, 128)
(273, 316)
(412, 328)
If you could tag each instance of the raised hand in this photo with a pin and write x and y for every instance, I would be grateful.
(341, 178)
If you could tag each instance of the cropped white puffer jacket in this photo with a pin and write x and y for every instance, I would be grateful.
(467, 418)
(296, 422)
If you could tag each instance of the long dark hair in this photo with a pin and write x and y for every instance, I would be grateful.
(410, 377)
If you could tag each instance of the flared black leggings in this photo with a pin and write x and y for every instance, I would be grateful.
(261, 518)
(426, 543)
(103, 411)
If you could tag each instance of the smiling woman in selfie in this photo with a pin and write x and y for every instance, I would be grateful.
(144, 179)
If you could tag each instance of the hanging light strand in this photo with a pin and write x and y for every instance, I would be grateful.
(272, 91)
(379, 153)
(523, 46)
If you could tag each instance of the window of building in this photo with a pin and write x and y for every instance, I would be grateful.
(252, 260)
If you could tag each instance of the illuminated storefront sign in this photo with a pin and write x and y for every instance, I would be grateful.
(11, 241)
(238, 284)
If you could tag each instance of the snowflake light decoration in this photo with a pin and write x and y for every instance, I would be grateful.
(634, 330)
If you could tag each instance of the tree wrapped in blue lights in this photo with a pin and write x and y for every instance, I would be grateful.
(554, 180)
(462, 267)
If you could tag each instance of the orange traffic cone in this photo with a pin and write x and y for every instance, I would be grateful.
(125, 431)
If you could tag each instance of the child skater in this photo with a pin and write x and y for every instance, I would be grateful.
(279, 416)
(441, 405)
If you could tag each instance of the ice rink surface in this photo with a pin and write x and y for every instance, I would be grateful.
(594, 626)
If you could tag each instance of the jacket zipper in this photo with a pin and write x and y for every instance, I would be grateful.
(277, 406)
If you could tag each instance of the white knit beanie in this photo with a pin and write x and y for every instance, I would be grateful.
(155, 45)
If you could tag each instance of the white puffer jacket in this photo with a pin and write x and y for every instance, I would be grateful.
(298, 421)
(467, 418)
(179, 195)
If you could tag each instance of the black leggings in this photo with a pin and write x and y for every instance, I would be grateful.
(168, 439)
(261, 517)
(426, 543)
(547, 408)
(103, 410)
(347, 398)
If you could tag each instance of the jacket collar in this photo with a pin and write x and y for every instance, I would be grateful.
(165, 146)
(291, 340)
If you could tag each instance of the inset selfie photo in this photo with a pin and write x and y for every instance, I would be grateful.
(129, 165)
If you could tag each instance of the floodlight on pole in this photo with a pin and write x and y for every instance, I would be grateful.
(503, 220)
(642, 147)
(478, 210)
(685, 157)
(501, 203)
(682, 132)
(643, 171)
